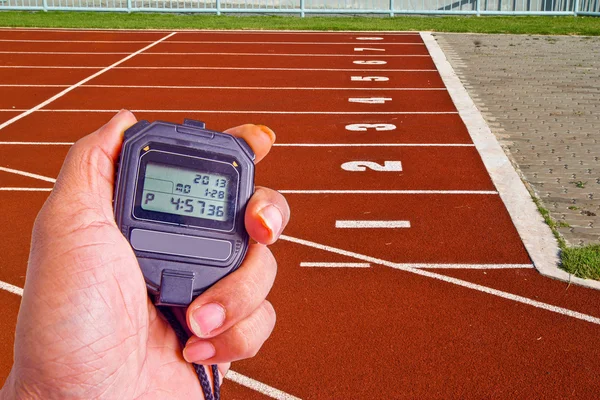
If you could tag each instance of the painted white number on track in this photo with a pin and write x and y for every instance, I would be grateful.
(367, 49)
(364, 127)
(369, 62)
(369, 38)
(369, 100)
(388, 166)
(369, 78)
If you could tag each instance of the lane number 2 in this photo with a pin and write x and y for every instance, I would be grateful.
(369, 78)
(388, 166)
(364, 127)
(369, 62)
(369, 100)
(367, 49)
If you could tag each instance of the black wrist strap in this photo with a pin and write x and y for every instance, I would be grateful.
(200, 371)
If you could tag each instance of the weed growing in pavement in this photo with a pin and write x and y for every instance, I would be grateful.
(550, 221)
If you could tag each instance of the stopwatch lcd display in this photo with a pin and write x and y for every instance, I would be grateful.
(186, 190)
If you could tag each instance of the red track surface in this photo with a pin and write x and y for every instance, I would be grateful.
(342, 333)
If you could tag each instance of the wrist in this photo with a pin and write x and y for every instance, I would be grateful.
(7, 391)
(10, 390)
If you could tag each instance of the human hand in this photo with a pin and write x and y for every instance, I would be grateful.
(86, 328)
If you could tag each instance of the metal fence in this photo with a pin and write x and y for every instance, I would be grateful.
(303, 7)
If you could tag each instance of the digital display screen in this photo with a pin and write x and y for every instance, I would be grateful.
(183, 191)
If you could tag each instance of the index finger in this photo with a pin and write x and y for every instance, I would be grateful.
(259, 137)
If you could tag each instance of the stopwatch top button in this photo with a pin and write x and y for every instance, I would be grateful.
(194, 131)
(194, 123)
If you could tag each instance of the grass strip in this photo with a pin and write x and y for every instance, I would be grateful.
(539, 25)
(583, 262)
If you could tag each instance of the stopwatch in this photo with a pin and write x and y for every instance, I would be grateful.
(180, 197)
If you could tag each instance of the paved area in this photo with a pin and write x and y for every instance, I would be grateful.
(541, 97)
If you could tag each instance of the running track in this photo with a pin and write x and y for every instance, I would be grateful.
(441, 302)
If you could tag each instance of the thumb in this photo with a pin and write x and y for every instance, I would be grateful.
(87, 175)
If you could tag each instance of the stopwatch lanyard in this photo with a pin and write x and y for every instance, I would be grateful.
(183, 337)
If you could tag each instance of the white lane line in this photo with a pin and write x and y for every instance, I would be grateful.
(11, 288)
(249, 112)
(229, 87)
(214, 54)
(352, 43)
(466, 266)
(231, 375)
(212, 31)
(423, 266)
(487, 192)
(71, 41)
(28, 174)
(448, 279)
(286, 144)
(371, 224)
(478, 192)
(371, 144)
(193, 42)
(65, 52)
(67, 90)
(24, 189)
(37, 143)
(334, 265)
(289, 69)
(262, 87)
(284, 54)
(218, 68)
(83, 30)
(46, 67)
(259, 386)
(33, 86)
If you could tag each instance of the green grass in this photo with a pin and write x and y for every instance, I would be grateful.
(517, 25)
(583, 262)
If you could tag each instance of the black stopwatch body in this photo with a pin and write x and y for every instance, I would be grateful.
(180, 198)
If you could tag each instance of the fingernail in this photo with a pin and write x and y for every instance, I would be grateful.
(268, 131)
(199, 351)
(193, 339)
(271, 219)
(207, 318)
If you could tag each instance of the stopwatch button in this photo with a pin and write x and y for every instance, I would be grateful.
(176, 288)
(194, 123)
(246, 147)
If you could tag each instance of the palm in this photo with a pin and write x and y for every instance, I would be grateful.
(98, 354)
